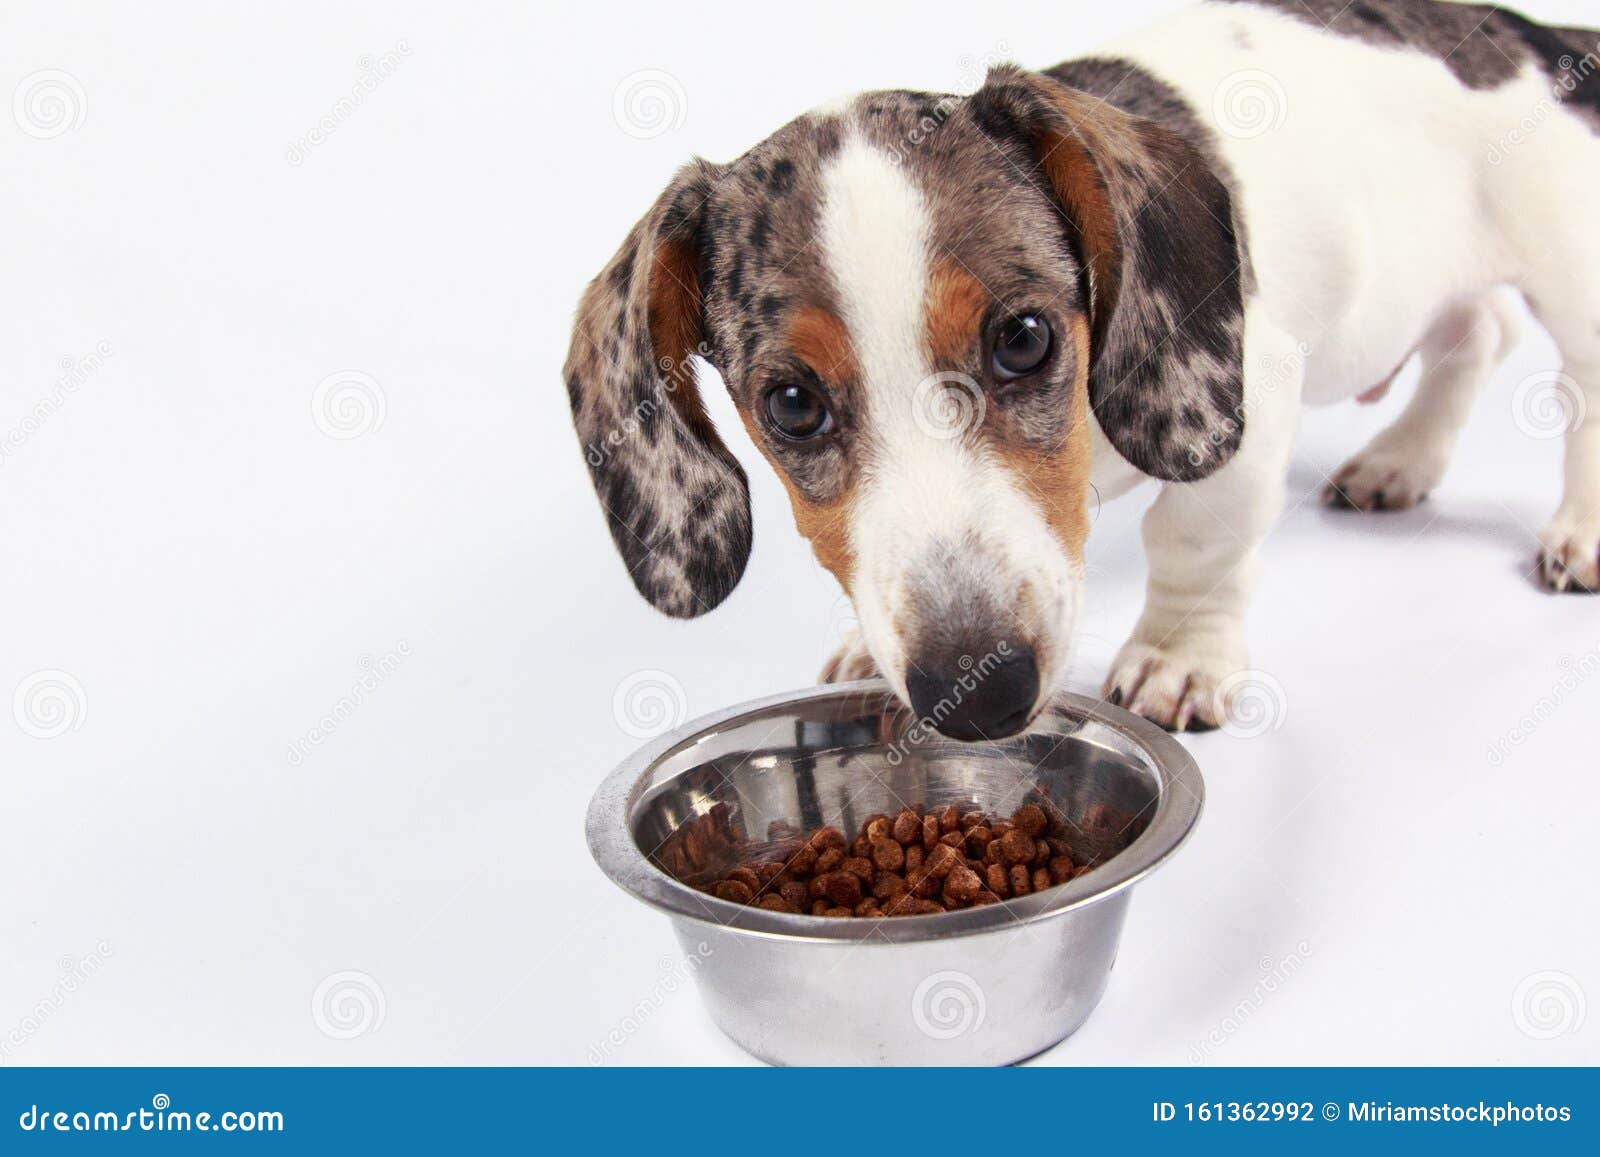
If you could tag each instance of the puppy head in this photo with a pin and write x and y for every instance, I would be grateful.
(913, 302)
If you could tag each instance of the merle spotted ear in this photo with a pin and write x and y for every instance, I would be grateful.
(1152, 223)
(676, 500)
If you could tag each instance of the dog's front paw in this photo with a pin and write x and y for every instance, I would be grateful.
(851, 661)
(1385, 478)
(1174, 687)
(1569, 555)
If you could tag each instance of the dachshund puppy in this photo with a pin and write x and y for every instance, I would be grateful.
(946, 321)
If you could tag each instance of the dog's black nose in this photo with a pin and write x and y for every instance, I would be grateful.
(987, 698)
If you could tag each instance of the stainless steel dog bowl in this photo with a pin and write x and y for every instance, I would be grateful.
(987, 985)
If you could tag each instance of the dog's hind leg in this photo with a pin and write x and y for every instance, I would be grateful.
(1568, 404)
(1406, 460)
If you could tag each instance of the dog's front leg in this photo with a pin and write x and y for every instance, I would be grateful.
(1201, 539)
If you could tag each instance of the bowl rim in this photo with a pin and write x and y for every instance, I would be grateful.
(610, 837)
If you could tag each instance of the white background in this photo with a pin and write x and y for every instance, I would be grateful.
(186, 541)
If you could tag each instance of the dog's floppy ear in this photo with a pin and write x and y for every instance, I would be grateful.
(1153, 226)
(676, 500)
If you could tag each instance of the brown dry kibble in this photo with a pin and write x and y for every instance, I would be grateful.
(918, 863)
(825, 838)
(767, 871)
(1016, 848)
(943, 860)
(888, 856)
(858, 866)
(1021, 882)
(962, 884)
(842, 888)
(888, 885)
(1031, 820)
(995, 876)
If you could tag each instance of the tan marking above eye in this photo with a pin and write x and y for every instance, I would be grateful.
(1059, 481)
(820, 339)
(957, 302)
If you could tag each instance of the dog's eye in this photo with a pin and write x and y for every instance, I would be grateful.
(1020, 346)
(798, 413)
